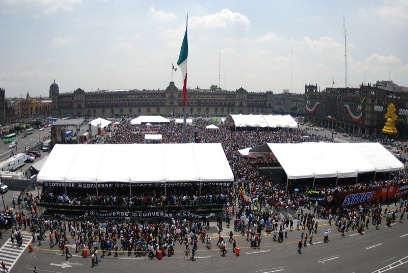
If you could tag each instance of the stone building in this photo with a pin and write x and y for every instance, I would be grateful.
(356, 110)
(167, 102)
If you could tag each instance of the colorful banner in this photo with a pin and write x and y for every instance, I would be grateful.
(357, 198)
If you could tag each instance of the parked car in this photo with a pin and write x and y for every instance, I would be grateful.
(12, 145)
(31, 154)
(30, 159)
(36, 153)
(3, 188)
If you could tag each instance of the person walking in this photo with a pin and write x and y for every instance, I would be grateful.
(300, 244)
(67, 253)
(35, 270)
(3, 266)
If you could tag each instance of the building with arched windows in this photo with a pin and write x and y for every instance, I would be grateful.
(167, 102)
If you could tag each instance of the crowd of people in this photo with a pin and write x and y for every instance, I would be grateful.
(258, 202)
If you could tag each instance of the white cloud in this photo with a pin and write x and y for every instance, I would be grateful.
(224, 19)
(61, 41)
(363, 13)
(272, 38)
(161, 15)
(395, 12)
(322, 44)
(378, 59)
(124, 45)
(49, 6)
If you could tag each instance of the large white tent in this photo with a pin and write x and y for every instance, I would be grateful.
(325, 160)
(262, 121)
(137, 163)
(100, 122)
(149, 119)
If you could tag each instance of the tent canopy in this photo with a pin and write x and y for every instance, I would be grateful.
(137, 163)
(149, 119)
(153, 137)
(323, 160)
(211, 127)
(189, 121)
(100, 122)
(263, 121)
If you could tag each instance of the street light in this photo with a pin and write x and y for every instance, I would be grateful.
(2, 198)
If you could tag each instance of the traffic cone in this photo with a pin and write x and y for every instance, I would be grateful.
(30, 248)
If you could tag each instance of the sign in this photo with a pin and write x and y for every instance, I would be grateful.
(358, 198)
(81, 185)
(143, 214)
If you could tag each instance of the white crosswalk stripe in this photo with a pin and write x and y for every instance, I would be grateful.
(10, 253)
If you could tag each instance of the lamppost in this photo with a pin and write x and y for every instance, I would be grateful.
(39, 141)
(2, 198)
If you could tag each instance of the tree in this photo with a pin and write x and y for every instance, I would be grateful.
(214, 87)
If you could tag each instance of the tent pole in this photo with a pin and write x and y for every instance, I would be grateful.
(375, 174)
(337, 179)
(65, 184)
(184, 125)
(130, 190)
(96, 186)
(287, 184)
(314, 180)
(200, 189)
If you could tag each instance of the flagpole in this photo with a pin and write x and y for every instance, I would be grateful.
(172, 68)
(184, 104)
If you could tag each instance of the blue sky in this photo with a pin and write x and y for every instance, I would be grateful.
(264, 45)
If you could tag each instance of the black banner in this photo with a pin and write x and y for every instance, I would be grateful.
(144, 214)
(81, 185)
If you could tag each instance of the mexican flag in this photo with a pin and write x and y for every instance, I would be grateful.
(182, 63)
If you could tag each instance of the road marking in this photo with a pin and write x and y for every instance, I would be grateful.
(392, 265)
(203, 257)
(372, 246)
(319, 242)
(257, 252)
(62, 265)
(277, 270)
(271, 270)
(10, 253)
(328, 259)
(351, 235)
(392, 258)
(404, 235)
(131, 258)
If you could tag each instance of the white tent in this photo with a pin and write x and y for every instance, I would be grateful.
(244, 152)
(189, 121)
(137, 163)
(263, 121)
(100, 122)
(211, 127)
(324, 160)
(148, 119)
(154, 137)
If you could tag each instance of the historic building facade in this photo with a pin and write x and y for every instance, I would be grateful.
(356, 110)
(168, 102)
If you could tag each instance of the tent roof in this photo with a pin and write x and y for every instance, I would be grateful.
(211, 126)
(149, 119)
(137, 163)
(100, 122)
(153, 137)
(244, 152)
(189, 121)
(322, 160)
(271, 121)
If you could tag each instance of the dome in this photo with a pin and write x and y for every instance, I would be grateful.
(54, 88)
